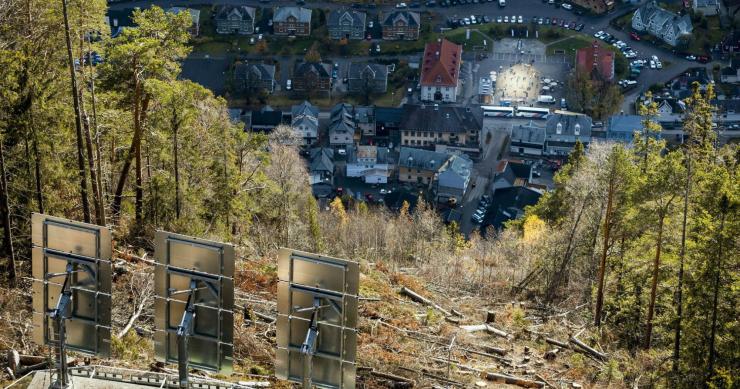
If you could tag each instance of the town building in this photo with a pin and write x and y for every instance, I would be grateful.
(528, 140)
(453, 179)
(511, 173)
(305, 121)
(291, 21)
(706, 7)
(342, 125)
(661, 23)
(595, 6)
(371, 163)
(401, 25)
(564, 130)
(252, 77)
(321, 171)
(365, 120)
(731, 74)
(419, 166)
(440, 71)
(234, 19)
(596, 61)
(622, 128)
(264, 120)
(387, 119)
(429, 126)
(346, 24)
(508, 204)
(366, 77)
(312, 77)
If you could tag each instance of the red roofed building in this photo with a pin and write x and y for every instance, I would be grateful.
(597, 61)
(440, 71)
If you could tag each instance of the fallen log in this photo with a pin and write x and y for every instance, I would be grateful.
(495, 350)
(456, 313)
(512, 380)
(503, 360)
(588, 350)
(485, 327)
(395, 378)
(453, 320)
(423, 300)
(556, 342)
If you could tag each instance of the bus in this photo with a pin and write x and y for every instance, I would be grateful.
(494, 111)
(532, 113)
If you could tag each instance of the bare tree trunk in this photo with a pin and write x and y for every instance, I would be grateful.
(682, 256)
(654, 287)
(715, 300)
(88, 141)
(5, 211)
(78, 118)
(605, 248)
(560, 273)
(98, 178)
(135, 143)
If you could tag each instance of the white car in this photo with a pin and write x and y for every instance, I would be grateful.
(499, 19)
(520, 19)
(630, 82)
(599, 34)
(513, 19)
(567, 6)
(659, 65)
(630, 54)
(691, 57)
(385, 191)
(401, 5)
(652, 64)
(288, 85)
(506, 19)
(654, 58)
(370, 24)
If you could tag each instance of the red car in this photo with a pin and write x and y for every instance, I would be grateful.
(369, 197)
(634, 36)
(703, 59)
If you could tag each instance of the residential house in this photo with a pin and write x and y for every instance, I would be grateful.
(342, 126)
(305, 121)
(321, 171)
(252, 77)
(731, 74)
(194, 14)
(429, 126)
(706, 7)
(264, 120)
(372, 163)
(661, 23)
(401, 25)
(312, 76)
(596, 61)
(563, 131)
(731, 42)
(346, 24)
(365, 120)
(419, 166)
(440, 72)
(508, 204)
(119, 20)
(234, 19)
(595, 6)
(292, 21)
(622, 128)
(366, 78)
(510, 173)
(528, 140)
(453, 179)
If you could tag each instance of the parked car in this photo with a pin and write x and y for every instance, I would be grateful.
(567, 6)
(691, 57)
(703, 59)
(401, 5)
(288, 85)
(580, 27)
(499, 19)
(652, 64)
(634, 36)
(520, 19)
(506, 19)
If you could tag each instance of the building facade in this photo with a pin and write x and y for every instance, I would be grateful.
(291, 21)
(234, 19)
(312, 76)
(661, 23)
(401, 25)
(430, 125)
(346, 24)
(440, 71)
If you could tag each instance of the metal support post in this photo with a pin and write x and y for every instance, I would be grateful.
(308, 348)
(183, 332)
(59, 314)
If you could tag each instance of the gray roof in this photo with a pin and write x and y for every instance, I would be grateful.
(441, 118)
(650, 12)
(339, 15)
(410, 18)
(263, 71)
(342, 118)
(456, 173)
(421, 159)
(234, 12)
(321, 160)
(321, 69)
(568, 125)
(624, 123)
(194, 13)
(304, 108)
(364, 115)
(302, 15)
(528, 133)
(359, 70)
